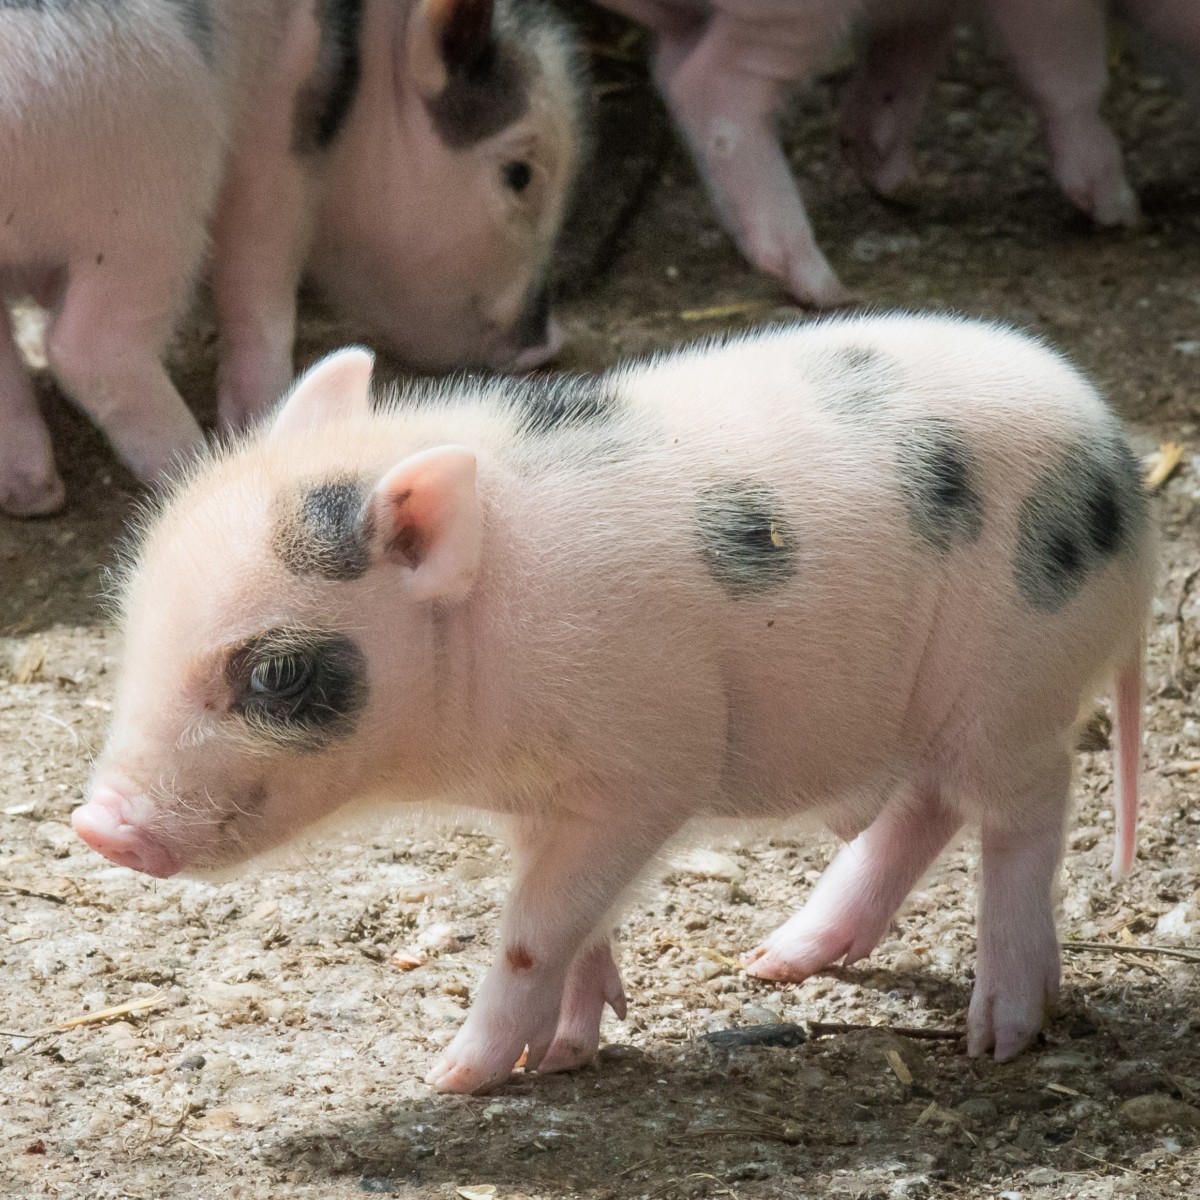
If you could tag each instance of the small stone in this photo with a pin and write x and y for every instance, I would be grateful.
(441, 938)
(232, 998)
(708, 864)
(753, 1014)
(782, 1034)
(979, 1110)
(193, 1062)
(1178, 922)
(1154, 1111)
(1040, 1176)
(471, 868)
(233, 1116)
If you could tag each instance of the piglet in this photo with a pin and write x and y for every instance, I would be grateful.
(871, 570)
(412, 156)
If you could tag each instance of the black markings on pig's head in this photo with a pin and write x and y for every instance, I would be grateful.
(563, 404)
(487, 81)
(197, 19)
(1087, 507)
(321, 529)
(325, 99)
(940, 481)
(854, 381)
(298, 688)
(745, 540)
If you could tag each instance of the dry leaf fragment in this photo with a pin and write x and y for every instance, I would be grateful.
(900, 1067)
(119, 1010)
(1161, 465)
(740, 309)
(476, 1191)
(927, 1114)
(1062, 1089)
(29, 666)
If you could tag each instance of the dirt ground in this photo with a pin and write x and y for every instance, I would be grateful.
(279, 1048)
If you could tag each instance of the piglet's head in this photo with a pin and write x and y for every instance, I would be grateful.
(279, 627)
(443, 198)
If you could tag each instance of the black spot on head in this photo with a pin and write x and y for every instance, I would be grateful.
(486, 91)
(854, 381)
(563, 403)
(1086, 507)
(940, 481)
(298, 688)
(321, 529)
(325, 100)
(745, 541)
(197, 24)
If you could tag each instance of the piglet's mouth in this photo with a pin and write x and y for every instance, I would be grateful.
(109, 823)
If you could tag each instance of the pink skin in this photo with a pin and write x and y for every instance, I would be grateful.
(882, 104)
(29, 482)
(115, 825)
(1017, 969)
(851, 907)
(723, 69)
(519, 630)
(1059, 54)
(532, 1000)
(855, 900)
(121, 226)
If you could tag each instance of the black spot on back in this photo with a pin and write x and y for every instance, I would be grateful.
(854, 381)
(563, 403)
(940, 482)
(320, 530)
(308, 717)
(745, 541)
(1086, 507)
(325, 100)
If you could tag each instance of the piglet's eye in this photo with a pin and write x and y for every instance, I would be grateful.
(517, 175)
(281, 676)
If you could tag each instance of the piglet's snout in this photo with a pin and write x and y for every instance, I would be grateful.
(114, 824)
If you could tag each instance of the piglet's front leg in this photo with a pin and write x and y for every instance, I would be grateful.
(563, 892)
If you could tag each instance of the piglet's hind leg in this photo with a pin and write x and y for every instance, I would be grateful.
(1017, 971)
(856, 898)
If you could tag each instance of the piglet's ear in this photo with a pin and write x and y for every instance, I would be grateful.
(444, 37)
(334, 389)
(425, 516)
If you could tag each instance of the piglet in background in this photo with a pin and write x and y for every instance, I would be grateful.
(870, 570)
(413, 157)
(723, 67)
(1060, 53)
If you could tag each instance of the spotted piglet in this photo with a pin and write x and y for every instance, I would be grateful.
(868, 569)
(413, 158)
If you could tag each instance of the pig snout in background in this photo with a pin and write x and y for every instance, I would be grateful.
(414, 157)
(790, 573)
(723, 66)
